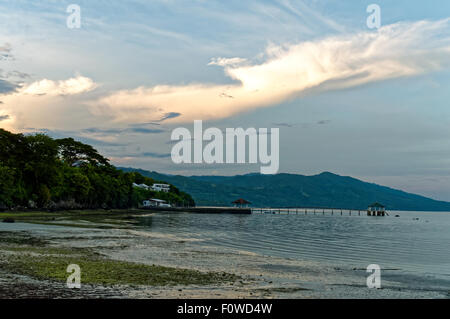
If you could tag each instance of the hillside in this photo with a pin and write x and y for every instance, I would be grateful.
(291, 190)
(37, 171)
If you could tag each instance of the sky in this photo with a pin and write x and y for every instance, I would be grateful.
(371, 103)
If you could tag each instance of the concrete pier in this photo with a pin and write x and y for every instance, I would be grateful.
(202, 210)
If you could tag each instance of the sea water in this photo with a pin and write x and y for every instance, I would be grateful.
(415, 244)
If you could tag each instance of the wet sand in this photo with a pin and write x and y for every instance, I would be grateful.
(260, 276)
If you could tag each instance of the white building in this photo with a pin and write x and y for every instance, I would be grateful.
(161, 188)
(153, 202)
(143, 186)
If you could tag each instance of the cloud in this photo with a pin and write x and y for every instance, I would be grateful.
(142, 130)
(45, 103)
(170, 115)
(166, 116)
(310, 16)
(7, 87)
(77, 136)
(177, 141)
(102, 131)
(4, 117)
(14, 74)
(323, 122)
(225, 95)
(5, 52)
(146, 155)
(284, 124)
(17, 74)
(290, 71)
(71, 86)
(155, 155)
(227, 61)
(5, 48)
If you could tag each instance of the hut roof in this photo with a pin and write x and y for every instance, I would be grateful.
(157, 200)
(241, 201)
(376, 205)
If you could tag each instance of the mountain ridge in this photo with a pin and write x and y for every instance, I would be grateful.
(327, 190)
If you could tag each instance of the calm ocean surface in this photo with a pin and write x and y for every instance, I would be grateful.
(421, 247)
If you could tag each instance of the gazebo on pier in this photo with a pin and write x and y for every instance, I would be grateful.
(376, 209)
(241, 203)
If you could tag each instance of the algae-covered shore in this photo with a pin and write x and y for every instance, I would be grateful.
(36, 265)
(121, 258)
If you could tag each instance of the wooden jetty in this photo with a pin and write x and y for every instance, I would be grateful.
(311, 211)
(278, 211)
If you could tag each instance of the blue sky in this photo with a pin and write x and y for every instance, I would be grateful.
(372, 104)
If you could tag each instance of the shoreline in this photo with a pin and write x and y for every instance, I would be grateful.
(117, 239)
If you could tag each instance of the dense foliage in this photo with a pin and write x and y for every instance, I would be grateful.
(37, 171)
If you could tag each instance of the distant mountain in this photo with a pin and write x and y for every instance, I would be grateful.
(291, 190)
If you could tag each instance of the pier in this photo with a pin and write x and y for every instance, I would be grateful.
(309, 211)
(202, 210)
(273, 211)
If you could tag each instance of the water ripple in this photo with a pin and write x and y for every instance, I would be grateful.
(417, 245)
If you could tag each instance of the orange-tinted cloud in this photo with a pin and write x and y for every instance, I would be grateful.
(399, 50)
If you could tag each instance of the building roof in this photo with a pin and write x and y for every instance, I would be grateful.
(141, 185)
(376, 205)
(157, 200)
(241, 201)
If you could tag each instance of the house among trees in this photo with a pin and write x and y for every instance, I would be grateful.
(143, 186)
(241, 203)
(376, 209)
(153, 202)
(155, 187)
(161, 188)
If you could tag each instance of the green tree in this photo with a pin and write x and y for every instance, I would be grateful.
(78, 186)
(41, 164)
(43, 195)
(41, 169)
(7, 187)
(71, 151)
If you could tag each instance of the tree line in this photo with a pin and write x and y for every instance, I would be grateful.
(37, 171)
